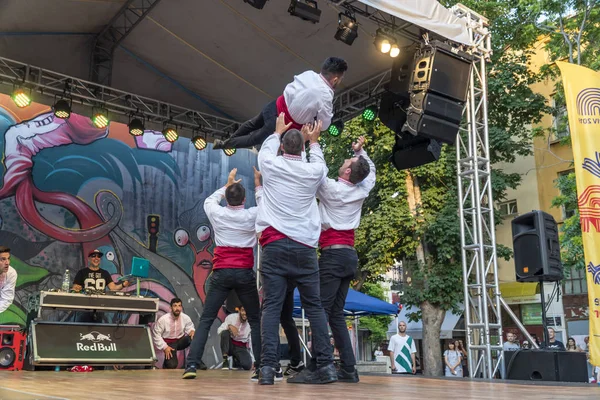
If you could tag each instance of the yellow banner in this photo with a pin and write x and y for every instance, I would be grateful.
(582, 91)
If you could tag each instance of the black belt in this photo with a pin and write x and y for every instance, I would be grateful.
(337, 246)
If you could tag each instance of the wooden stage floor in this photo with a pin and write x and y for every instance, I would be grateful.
(217, 384)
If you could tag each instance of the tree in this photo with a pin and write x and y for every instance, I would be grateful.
(412, 215)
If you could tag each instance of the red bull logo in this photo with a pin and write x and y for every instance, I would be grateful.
(96, 338)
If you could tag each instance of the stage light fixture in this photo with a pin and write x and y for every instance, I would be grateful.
(136, 126)
(170, 133)
(62, 108)
(370, 113)
(347, 30)
(100, 118)
(259, 4)
(308, 10)
(199, 142)
(394, 51)
(229, 152)
(21, 98)
(336, 128)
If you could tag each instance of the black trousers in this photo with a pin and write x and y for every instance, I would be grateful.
(286, 262)
(222, 281)
(289, 327)
(254, 131)
(181, 344)
(241, 354)
(337, 268)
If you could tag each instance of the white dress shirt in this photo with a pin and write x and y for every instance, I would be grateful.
(243, 328)
(289, 187)
(234, 226)
(169, 327)
(340, 201)
(8, 281)
(308, 97)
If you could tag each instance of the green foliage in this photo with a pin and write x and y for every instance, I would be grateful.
(571, 242)
(27, 274)
(377, 325)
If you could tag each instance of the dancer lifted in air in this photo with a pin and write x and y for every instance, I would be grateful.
(307, 99)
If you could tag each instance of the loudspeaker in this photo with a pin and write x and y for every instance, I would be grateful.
(410, 152)
(536, 247)
(392, 110)
(546, 365)
(12, 350)
(438, 92)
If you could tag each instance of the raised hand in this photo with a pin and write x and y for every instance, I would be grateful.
(306, 130)
(280, 126)
(257, 176)
(315, 132)
(231, 178)
(357, 146)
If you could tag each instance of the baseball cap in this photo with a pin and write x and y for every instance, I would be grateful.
(96, 252)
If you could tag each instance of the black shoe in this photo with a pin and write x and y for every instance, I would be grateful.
(326, 374)
(294, 369)
(218, 144)
(348, 377)
(254, 376)
(202, 366)
(190, 372)
(278, 375)
(266, 376)
(225, 363)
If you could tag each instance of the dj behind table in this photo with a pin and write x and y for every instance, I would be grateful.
(87, 341)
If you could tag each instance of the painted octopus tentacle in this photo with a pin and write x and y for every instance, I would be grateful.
(26, 206)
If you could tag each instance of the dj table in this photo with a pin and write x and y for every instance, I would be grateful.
(72, 343)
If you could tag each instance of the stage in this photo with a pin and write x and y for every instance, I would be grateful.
(217, 384)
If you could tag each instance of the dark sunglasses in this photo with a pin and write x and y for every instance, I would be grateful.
(95, 256)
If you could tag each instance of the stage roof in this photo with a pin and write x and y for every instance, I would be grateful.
(222, 57)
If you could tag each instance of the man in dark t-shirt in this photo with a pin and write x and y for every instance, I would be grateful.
(94, 278)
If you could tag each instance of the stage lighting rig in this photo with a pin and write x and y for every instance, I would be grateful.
(336, 128)
(259, 4)
(62, 108)
(170, 133)
(370, 113)
(308, 10)
(198, 141)
(21, 97)
(100, 117)
(386, 44)
(229, 152)
(347, 30)
(136, 125)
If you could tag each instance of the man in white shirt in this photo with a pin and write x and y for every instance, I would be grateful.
(8, 279)
(340, 204)
(289, 222)
(233, 264)
(235, 335)
(173, 332)
(511, 344)
(308, 98)
(403, 351)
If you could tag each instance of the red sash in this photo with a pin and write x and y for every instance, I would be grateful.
(282, 108)
(332, 236)
(233, 257)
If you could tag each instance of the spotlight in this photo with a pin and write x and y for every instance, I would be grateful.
(256, 3)
(336, 128)
(100, 118)
(395, 50)
(386, 44)
(369, 113)
(229, 152)
(199, 142)
(347, 30)
(21, 98)
(62, 109)
(170, 133)
(136, 126)
(308, 10)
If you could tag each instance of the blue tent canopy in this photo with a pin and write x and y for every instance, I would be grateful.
(357, 304)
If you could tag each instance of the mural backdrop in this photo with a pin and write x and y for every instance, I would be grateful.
(69, 187)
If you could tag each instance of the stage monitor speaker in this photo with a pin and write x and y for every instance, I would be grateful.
(546, 365)
(410, 152)
(536, 248)
(12, 350)
(392, 110)
(442, 69)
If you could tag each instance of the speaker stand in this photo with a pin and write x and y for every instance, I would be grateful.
(544, 322)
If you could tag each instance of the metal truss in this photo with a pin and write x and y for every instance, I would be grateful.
(352, 101)
(120, 104)
(105, 43)
(478, 241)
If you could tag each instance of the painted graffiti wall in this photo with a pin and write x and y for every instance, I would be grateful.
(69, 187)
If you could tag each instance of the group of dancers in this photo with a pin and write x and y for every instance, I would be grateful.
(291, 225)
